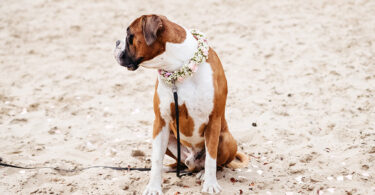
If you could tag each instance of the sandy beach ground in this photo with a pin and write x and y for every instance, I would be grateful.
(301, 77)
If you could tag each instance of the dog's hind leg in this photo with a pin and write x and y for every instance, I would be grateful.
(172, 149)
(172, 152)
(227, 146)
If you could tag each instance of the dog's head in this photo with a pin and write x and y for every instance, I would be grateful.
(146, 38)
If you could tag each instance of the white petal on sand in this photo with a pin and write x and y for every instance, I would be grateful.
(249, 170)
(135, 111)
(255, 166)
(260, 172)
(22, 171)
(90, 146)
(349, 177)
(24, 111)
(242, 177)
(332, 190)
(299, 179)
(340, 178)
(365, 174)
(111, 152)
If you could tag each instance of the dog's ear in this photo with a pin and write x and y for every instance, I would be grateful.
(151, 26)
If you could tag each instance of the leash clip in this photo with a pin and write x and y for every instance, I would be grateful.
(174, 87)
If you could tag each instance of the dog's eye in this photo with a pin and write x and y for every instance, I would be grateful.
(130, 39)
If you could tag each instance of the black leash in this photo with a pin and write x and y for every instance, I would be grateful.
(174, 89)
(85, 168)
(77, 169)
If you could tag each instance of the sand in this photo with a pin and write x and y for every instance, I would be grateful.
(301, 77)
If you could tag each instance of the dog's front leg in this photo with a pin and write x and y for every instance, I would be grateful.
(159, 147)
(211, 137)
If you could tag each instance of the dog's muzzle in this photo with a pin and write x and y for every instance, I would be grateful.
(122, 57)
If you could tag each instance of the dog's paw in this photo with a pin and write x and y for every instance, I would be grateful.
(153, 190)
(200, 175)
(211, 187)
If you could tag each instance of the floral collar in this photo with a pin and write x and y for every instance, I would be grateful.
(192, 66)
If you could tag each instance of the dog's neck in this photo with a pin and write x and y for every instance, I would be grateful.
(179, 54)
(175, 54)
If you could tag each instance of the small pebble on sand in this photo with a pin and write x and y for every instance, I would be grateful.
(331, 190)
(137, 153)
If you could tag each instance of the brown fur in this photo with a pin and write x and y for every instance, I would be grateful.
(151, 26)
(217, 135)
(217, 118)
(240, 161)
(200, 145)
(167, 31)
(186, 122)
(202, 128)
(159, 122)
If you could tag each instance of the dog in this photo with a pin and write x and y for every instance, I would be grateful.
(154, 41)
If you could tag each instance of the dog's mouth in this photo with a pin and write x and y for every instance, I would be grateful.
(131, 67)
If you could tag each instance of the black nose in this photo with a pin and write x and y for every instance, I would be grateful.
(118, 43)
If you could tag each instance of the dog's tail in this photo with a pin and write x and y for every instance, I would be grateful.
(240, 160)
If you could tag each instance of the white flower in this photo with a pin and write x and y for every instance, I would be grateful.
(191, 64)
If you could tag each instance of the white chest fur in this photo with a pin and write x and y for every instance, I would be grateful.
(197, 93)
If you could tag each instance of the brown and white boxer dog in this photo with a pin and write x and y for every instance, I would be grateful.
(153, 41)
